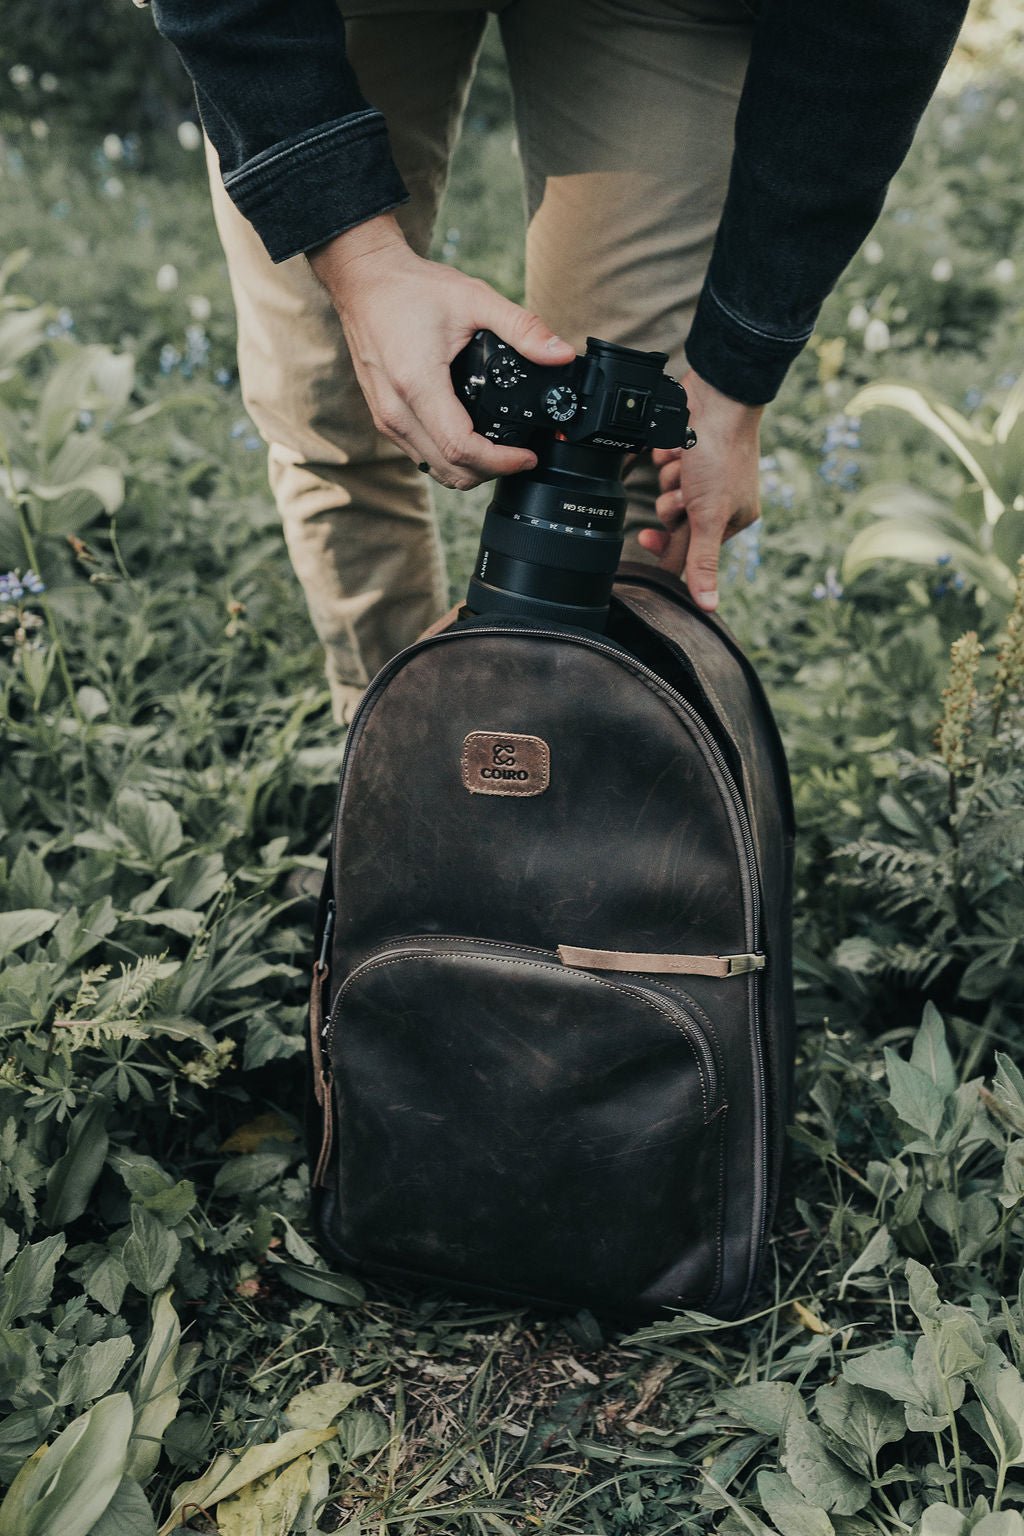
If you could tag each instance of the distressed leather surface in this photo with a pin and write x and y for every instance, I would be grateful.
(634, 845)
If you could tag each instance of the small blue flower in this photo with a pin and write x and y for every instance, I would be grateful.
(1006, 381)
(223, 378)
(943, 559)
(973, 398)
(60, 209)
(85, 419)
(831, 587)
(170, 357)
(239, 428)
(252, 442)
(33, 583)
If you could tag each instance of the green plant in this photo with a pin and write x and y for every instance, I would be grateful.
(981, 530)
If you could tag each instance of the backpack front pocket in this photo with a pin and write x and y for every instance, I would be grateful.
(507, 1122)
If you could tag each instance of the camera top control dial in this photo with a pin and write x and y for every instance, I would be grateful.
(561, 402)
(505, 371)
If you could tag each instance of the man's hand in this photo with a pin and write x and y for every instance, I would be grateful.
(709, 493)
(405, 319)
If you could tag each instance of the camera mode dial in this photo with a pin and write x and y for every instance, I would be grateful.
(561, 403)
(505, 371)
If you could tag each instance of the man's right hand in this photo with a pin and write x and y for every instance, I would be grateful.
(405, 319)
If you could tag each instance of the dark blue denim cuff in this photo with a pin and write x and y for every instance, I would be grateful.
(305, 190)
(739, 359)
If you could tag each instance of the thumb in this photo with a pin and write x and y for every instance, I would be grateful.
(525, 331)
(702, 563)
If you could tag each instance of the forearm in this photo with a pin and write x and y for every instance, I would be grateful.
(304, 156)
(832, 97)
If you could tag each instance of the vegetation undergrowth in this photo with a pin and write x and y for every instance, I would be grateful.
(174, 1354)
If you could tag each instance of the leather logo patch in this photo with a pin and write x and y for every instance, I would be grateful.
(496, 763)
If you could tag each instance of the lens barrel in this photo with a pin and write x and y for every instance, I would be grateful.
(552, 538)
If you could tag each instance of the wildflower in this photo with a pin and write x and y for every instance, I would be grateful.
(48, 82)
(33, 583)
(1006, 381)
(239, 428)
(166, 278)
(876, 336)
(60, 209)
(252, 442)
(1004, 271)
(170, 357)
(942, 269)
(189, 136)
(112, 147)
(873, 253)
(904, 216)
(831, 587)
(85, 419)
(39, 128)
(199, 306)
(1010, 657)
(959, 697)
(223, 377)
(19, 75)
(197, 346)
(972, 398)
(858, 317)
(113, 186)
(1006, 110)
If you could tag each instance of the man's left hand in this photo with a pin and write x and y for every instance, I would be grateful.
(708, 493)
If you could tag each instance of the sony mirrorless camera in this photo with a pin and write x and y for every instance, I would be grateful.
(552, 535)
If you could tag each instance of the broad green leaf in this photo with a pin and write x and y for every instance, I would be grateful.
(29, 884)
(127, 1514)
(913, 1095)
(68, 506)
(762, 1405)
(66, 1487)
(817, 1473)
(90, 1371)
(71, 1179)
(787, 1508)
(1000, 1422)
(178, 919)
(253, 1171)
(154, 826)
(917, 545)
(942, 1520)
(860, 1420)
(21, 1434)
(102, 1277)
(888, 1369)
(971, 447)
(79, 932)
(320, 1284)
(229, 1474)
(1008, 1089)
(21, 927)
(29, 1280)
(316, 1407)
(1013, 1175)
(877, 1254)
(924, 1292)
(150, 1253)
(156, 1392)
(361, 1433)
(930, 1053)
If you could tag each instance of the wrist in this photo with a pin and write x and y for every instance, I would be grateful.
(341, 258)
(706, 402)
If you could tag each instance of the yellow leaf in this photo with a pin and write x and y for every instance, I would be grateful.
(251, 1136)
(809, 1320)
(269, 1507)
(229, 1474)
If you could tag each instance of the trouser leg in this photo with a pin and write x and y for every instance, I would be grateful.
(625, 116)
(357, 515)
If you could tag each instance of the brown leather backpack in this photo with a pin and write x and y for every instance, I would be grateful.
(551, 1026)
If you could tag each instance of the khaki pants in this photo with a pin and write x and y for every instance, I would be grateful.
(624, 111)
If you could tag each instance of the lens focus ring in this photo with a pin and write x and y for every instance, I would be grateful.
(542, 546)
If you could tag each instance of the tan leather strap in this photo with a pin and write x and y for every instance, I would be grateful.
(674, 965)
(321, 1071)
(444, 622)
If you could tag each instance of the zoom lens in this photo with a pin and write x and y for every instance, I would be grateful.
(552, 538)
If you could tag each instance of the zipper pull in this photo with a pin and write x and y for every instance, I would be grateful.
(325, 947)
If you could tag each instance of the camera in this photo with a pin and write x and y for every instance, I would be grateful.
(552, 535)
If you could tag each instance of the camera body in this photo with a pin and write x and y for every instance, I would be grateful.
(612, 397)
(552, 535)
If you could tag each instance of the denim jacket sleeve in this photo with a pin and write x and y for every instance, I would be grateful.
(833, 94)
(303, 155)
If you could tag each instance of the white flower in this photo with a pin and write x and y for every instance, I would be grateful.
(112, 147)
(167, 278)
(114, 186)
(19, 75)
(873, 253)
(48, 83)
(1004, 271)
(942, 269)
(38, 128)
(189, 136)
(858, 317)
(199, 306)
(876, 336)
(1006, 110)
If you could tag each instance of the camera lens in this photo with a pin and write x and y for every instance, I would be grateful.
(552, 538)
